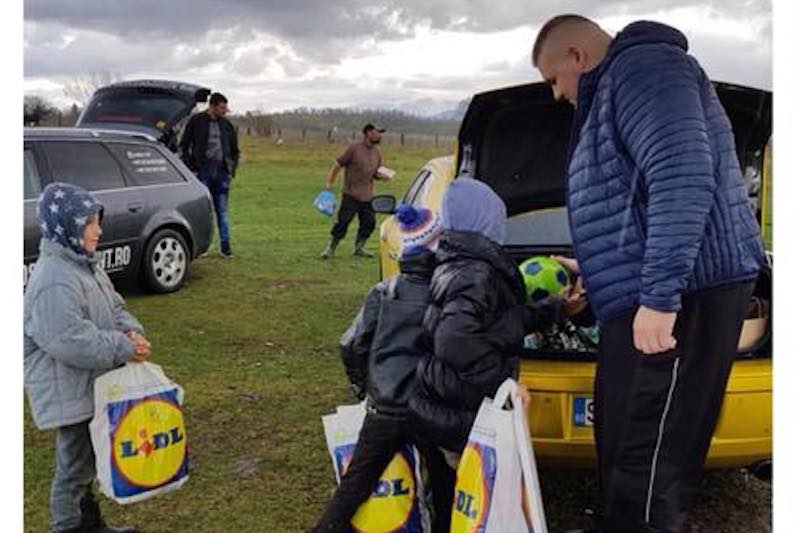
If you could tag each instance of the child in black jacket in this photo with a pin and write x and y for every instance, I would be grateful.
(477, 319)
(381, 350)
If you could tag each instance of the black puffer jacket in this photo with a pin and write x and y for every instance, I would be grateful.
(386, 341)
(477, 320)
(194, 142)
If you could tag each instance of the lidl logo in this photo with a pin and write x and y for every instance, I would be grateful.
(475, 479)
(148, 442)
(392, 507)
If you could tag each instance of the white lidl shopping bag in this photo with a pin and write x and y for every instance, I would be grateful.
(138, 434)
(397, 505)
(497, 485)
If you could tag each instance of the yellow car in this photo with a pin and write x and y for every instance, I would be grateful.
(515, 139)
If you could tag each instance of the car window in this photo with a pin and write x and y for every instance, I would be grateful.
(87, 164)
(145, 165)
(413, 196)
(548, 227)
(146, 106)
(33, 184)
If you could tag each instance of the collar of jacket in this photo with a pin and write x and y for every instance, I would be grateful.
(454, 245)
(420, 265)
(53, 249)
(634, 34)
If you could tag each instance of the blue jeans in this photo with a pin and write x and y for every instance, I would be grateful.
(75, 472)
(216, 178)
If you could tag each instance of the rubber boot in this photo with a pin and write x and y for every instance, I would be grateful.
(330, 249)
(360, 251)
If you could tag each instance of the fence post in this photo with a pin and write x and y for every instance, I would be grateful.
(402, 139)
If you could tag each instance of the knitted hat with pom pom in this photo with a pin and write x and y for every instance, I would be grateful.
(420, 229)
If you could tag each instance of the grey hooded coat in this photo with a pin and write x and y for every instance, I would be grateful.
(74, 330)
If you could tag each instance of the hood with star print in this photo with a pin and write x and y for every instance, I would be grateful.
(63, 211)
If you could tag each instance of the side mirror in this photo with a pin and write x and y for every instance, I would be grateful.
(384, 203)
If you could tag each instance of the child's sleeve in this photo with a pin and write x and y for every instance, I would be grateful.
(355, 343)
(58, 326)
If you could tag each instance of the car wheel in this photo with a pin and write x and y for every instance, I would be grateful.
(166, 261)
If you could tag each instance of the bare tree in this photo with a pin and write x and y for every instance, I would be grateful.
(36, 109)
(81, 88)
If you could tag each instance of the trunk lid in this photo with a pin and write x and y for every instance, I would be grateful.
(155, 107)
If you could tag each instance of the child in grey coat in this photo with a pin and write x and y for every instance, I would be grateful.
(75, 328)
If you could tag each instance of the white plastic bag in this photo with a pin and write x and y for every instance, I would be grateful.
(497, 485)
(138, 434)
(397, 504)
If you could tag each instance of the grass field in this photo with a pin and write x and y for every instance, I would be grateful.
(253, 342)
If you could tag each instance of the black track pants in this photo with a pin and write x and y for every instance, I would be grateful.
(655, 414)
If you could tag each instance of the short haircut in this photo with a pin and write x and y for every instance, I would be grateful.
(216, 99)
(551, 25)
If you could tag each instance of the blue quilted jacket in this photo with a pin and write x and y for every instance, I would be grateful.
(657, 205)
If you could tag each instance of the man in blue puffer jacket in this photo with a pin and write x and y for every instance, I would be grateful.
(668, 248)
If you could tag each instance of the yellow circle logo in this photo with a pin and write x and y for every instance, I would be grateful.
(391, 503)
(473, 493)
(149, 443)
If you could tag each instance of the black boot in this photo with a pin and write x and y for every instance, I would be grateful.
(92, 521)
(329, 251)
(360, 251)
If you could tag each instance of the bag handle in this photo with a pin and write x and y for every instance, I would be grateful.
(505, 392)
(530, 474)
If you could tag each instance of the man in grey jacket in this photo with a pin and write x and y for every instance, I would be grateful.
(75, 328)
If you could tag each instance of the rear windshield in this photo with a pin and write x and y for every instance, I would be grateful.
(135, 108)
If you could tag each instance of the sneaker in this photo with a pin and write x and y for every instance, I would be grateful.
(225, 248)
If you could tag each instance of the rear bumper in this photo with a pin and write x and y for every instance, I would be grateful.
(743, 435)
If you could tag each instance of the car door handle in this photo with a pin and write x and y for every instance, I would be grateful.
(135, 207)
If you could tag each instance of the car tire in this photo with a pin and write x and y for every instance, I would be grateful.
(166, 261)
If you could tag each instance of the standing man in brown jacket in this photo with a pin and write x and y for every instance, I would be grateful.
(361, 161)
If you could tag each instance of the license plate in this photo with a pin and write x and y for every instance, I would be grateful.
(582, 411)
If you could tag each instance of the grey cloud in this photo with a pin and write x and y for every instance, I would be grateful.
(195, 40)
(319, 20)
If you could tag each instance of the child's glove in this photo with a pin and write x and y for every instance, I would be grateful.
(542, 313)
(359, 391)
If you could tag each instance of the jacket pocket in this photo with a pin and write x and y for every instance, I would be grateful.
(632, 234)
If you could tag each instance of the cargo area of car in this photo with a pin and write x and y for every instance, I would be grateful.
(516, 140)
(758, 326)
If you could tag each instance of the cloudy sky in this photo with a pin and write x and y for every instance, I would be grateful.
(418, 55)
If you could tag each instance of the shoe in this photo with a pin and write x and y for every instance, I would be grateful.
(329, 250)
(225, 248)
(114, 529)
(360, 251)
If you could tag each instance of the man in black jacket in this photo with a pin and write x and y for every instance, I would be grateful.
(381, 350)
(209, 147)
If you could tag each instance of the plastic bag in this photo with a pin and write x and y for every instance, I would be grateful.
(138, 433)
(325, 202)
(497, 485)
(397, 504)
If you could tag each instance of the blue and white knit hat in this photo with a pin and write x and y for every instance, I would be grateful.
(63, 211)
(420, 229)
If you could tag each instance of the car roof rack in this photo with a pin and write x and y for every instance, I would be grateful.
(83, 133)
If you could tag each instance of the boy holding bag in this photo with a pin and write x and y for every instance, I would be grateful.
(381, 350)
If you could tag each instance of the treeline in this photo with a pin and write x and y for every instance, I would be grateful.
(338, 122)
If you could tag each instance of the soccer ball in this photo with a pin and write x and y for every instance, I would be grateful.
(543, 277)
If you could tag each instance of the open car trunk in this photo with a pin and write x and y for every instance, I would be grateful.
(516, 139)
(155, 107)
